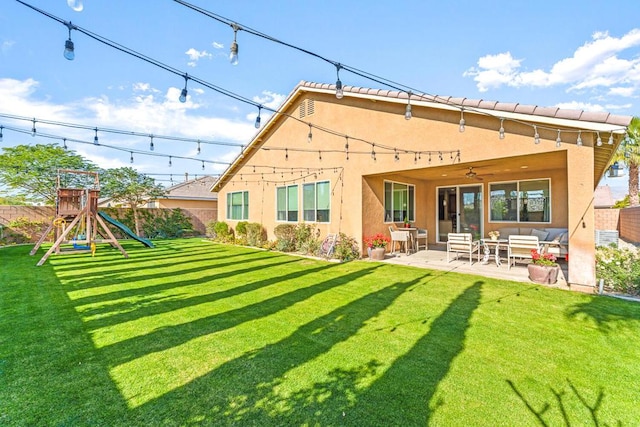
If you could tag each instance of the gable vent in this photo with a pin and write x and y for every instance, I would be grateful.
(302, 110)
(310, 107)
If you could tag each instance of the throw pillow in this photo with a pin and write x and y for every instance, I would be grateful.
(541, 234)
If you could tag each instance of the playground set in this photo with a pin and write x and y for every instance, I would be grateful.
(78, 223)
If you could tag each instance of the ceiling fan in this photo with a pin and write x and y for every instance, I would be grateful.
(471, 174)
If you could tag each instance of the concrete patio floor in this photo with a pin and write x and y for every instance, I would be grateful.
(436, 258)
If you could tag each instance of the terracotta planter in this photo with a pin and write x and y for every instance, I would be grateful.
(377, 254)
(547, 274)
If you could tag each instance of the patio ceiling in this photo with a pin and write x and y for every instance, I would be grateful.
(487, 170)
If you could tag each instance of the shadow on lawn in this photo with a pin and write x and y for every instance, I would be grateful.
(245, 391)
(171, 336)
(607, 313)
(563, 404)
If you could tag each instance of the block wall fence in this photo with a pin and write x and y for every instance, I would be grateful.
(199, 216)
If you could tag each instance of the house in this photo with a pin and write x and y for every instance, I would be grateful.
(192, 193)
(375, 157)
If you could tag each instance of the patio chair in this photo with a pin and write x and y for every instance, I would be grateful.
(421, 239)
(520, 246)
(403, 238)
(462, 243)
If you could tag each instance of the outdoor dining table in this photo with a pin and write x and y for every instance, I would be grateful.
(497, 244)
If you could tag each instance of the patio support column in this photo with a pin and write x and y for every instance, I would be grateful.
(581, 216)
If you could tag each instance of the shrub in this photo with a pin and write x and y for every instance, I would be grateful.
(219, 231)
(286, 235)
(346, 248)
(241, 229)
(620, 269)
(307, 239)
(23, 226)
(256, 234)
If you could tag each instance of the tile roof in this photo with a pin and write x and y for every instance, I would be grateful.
(507, 107)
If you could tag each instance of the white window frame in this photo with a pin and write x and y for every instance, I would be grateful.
(315, 202)
(245, 205)
(411, 210)
(518, 202)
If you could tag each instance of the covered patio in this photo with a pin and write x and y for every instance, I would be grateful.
(436, 258)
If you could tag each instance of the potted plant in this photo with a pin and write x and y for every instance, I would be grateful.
(543, 269)
(406, 222)
(494, 234)
(376, 245)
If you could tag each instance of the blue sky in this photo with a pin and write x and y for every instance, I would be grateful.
(570, 54)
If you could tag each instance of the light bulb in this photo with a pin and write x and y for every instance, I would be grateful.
(75, 5)
(579, 140)
(310, 136)
(183, 95)
(233, 53)
(599, 140)
(536, 135)
(68, 50)
(131, 159)
(257, 124)
(339, 91)
(501, 131)
(462, 122)
(407, 112)
(558, 140)
(610, 142)
(1, 127)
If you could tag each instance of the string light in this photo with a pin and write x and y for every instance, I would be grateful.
(396, 156)
(257, 124)
(198, 147)
(558, 140)
(203, 165)
(579, 139)
(64, 143)
(286, 154)
(33, 128)
(610, 142)
(1, 127)
(536, 135)
(310, 135)
(68, 44)
(373, 152)
(95, 138)
(598, 140)
(339, 90)
(319, 156)
(407, 111)
(183, 94)
(462, 122)
(170, 163)
(151, 147)
(233, 51)
(501, 131)
(131, 158)
(346, 146)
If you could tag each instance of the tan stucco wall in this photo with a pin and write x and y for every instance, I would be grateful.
(357, 183)
(187, 204)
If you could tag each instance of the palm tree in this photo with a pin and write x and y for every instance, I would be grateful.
(629, 153)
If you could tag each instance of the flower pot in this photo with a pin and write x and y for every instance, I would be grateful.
(494, 237)
(547, 274)
(377, 253)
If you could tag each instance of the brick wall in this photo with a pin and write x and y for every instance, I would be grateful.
(607, 219)
(630, 224)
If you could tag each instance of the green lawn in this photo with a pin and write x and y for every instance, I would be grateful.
(196, 333)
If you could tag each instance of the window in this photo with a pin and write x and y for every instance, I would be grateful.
(520, 201)
(315, 202)
(287, 203)
(399, 201)
(238, 205)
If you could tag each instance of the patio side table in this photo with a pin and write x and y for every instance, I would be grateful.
(487, 244)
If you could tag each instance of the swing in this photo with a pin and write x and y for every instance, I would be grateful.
(80, 235)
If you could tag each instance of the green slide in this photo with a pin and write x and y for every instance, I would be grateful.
(126, 230)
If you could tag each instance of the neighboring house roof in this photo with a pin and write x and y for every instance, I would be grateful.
(602, 197)
(193, 189)
(550, 116)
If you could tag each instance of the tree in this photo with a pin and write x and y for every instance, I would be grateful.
(127, 186)
(32, 170)
(629, 153)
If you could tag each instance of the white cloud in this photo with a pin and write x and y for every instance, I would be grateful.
(144, 112)
(269, 100)
(575, 105)
(594, 65)
(144, 87)
(6, 45)
(217, 45)
(195, 55)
